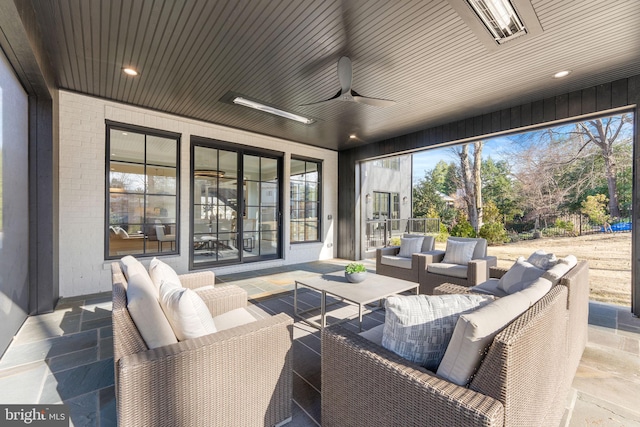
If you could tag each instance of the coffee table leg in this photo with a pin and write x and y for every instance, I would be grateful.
(295, 297)
(360, 315)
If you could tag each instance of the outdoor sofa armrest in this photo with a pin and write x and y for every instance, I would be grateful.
(478, 269)
(197, 279)
(239, 376)
(389, 250)
(365, 384)
(497, 272)
(222, 299)
(432, 257)
(451, 288)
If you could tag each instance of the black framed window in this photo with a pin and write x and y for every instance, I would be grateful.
(306, 187)
(142, 188)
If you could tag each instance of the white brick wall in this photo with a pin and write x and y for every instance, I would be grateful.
(83, 269)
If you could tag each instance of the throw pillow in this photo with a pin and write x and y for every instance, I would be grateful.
(142, 303)
(459, 252)
(542, 260)
(410, 246)
(519, 276)
(475, 331)
(561, 268)
(187, 313)
(159, 271)
(419, 327)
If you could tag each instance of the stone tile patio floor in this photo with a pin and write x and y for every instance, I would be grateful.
(66, 356)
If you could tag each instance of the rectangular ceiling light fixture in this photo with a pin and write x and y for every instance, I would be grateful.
(271, 110)
(500, 18)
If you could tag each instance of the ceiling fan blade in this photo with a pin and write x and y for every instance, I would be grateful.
(345, 74)
(336, 96)
(376, 102)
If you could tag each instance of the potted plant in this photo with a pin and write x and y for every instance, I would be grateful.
(355, 272)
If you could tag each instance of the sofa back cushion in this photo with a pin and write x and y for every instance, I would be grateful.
(480, 250)
(160, 271)
(561, 268)
(419, 327)
(459, 252)
(519, 276)
(410, 246)
(428, 242)
(143, 306)
(474, 331)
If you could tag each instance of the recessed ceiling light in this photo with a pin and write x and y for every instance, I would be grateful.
(352, 136)
(271, 110)
(124, 133)
(130, 71)
(561, 74)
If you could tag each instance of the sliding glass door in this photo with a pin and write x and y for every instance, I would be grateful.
(236, 204)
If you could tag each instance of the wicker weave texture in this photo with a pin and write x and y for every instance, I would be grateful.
(366, 385)
(197, 279)
(241, 376)
(451, 289)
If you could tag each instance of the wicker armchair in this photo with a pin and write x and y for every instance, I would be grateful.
(239, 376)
(388, 263)
(475, 272)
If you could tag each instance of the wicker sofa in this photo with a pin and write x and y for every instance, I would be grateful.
(523, 379)
(238, 376)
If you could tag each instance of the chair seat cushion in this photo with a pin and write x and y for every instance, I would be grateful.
(419, 327)
(233, 318)
(186, 311)
(396, 261)
(446, 269)
(475, 331)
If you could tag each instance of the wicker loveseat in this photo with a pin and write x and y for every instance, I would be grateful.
(238, 376)
(523, 380)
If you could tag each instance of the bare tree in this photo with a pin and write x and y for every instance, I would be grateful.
(471, 181)
(604, 133)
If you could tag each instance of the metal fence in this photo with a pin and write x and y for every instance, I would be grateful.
(380, 232)
(565, 225)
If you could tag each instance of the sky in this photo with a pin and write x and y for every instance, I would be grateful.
(428, 159)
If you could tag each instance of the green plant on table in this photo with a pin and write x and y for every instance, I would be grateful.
(355, 267)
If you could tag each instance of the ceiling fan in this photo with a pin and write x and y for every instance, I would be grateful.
(346, 93)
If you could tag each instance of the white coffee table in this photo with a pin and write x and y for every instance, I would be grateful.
(373, 288)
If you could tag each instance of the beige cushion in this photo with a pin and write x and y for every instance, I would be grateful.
(131, 265)
(542, 259)
(396, 261)
(428, 242)
(374, 334)
(419, 327)
(480, 250)
(489, 287)
(142, 302)
(159, 271)
(561, 268)
(519, 276)
(459, 252)
(453, 270)
(187, 313)
(475, 331)
(233, 318)
(410, 246)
